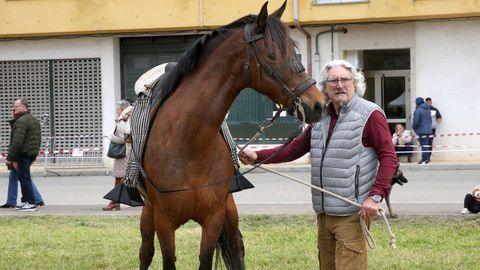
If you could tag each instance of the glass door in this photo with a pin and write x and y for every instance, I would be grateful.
(390, 89)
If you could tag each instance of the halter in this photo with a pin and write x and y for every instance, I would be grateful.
(294, 93)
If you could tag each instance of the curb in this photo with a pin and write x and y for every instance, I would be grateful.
(286, 167)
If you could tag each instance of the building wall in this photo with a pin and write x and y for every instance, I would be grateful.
(444, 66)
(20, 18)
(447, 66)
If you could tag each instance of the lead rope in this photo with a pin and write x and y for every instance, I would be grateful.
(363, 225)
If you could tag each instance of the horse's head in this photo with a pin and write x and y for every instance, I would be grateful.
(271, 52)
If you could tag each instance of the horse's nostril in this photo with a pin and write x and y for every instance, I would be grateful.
(318, 108)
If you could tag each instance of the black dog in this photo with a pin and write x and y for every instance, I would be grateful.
(397, 178)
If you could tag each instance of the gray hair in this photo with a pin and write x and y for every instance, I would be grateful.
(123, 104)
(24, 102)
(357, 76)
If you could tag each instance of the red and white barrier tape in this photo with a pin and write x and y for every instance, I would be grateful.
(63, 151)
(430, 136)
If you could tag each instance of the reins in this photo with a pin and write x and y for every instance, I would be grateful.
(370, 240)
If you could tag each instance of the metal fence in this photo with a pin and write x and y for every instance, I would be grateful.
(83, 151)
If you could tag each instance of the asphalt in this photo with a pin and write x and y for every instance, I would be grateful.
(433, 189)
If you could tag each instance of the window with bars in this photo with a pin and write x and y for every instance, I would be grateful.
(65, 95)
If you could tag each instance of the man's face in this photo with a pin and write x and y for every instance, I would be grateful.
(340, 86)
(18, 108)
(429, 102)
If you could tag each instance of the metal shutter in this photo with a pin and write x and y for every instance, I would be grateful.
(65, 95)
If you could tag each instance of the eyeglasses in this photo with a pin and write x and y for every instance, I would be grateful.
(336, 81)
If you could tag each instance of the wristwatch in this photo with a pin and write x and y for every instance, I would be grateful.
(377, 198)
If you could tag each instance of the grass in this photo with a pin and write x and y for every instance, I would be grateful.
(271, 242)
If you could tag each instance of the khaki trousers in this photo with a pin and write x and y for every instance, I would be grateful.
(341, 243)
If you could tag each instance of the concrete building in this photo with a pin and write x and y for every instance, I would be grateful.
(74, 59)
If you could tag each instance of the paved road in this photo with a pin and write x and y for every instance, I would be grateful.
(429, 192)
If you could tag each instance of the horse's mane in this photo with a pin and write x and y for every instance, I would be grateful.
(279, 47)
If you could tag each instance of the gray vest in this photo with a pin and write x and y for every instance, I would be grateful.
(345, 167)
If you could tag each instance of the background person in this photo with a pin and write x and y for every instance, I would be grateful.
(422, 126)
(402, 140)
(471, 203)
(436, 119)
(12, 192)
(121, 136)
(25, 140)
(346, 146)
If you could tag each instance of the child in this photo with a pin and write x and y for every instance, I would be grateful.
(472, 202)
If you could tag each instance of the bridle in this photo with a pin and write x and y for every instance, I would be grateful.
(294, 93)
(295, 105)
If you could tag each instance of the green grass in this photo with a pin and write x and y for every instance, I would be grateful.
(271, 242)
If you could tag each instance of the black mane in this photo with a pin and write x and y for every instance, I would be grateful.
(278, 44)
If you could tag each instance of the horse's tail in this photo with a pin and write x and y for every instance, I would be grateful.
(228, 255)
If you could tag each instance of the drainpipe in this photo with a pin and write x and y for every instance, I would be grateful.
(201, 13)
(332, 30)
(307, 35)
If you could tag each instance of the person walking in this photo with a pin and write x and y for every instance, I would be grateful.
(352, 155)
(12, 192)
(422, 126)
(121, 136)
(436, 119)
(25, 140)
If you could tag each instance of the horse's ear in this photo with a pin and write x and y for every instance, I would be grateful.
(262, 18)
(279, 12)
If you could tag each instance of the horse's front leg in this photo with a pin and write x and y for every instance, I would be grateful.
(147, 230)
(234, 237)
(210, 232)
(166, 235)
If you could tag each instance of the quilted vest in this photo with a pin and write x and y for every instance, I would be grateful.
(345, 166)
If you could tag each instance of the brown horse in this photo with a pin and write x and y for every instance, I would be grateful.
(188, 165)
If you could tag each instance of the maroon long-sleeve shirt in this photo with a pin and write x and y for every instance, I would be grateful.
(376, 134)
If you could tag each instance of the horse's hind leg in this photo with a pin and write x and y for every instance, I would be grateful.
(147, 230)
(234, 237)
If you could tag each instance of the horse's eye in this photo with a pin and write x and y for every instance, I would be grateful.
(271, 57)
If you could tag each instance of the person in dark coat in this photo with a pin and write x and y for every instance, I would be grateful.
(422, 125)
(25, 139)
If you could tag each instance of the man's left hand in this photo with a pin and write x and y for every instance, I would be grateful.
(370, 208)
(15, 165)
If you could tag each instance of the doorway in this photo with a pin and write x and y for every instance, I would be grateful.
(390, 89)
(387, 74)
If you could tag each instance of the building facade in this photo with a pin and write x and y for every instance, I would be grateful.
(75, 59)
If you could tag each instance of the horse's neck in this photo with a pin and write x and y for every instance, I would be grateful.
(210, 96)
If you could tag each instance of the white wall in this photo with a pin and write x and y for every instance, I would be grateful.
(448, 70)
(107, 49)
(445, 65)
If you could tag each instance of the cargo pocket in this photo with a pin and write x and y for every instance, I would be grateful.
(353, 255)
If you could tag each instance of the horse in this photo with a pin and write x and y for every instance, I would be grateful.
(186, 160)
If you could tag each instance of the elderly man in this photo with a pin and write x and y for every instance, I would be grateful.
(25, 139)
(352, 155)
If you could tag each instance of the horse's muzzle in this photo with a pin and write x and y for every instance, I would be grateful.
(312, 114)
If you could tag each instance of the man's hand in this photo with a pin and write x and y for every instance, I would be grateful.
(15, 165)
(248, 157)
(370, 208)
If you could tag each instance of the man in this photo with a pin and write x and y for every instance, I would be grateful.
(436, 119)
(346, 147)
(422, 125)
(13, 185)
(25, 139)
